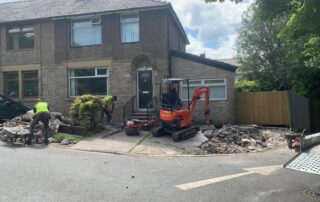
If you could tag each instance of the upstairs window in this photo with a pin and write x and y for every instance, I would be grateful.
(130, 28)
(86, 32)
(21, 37)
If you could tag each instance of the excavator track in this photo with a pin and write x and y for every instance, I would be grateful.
(185, 133)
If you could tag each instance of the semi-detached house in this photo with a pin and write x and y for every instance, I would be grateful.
(60, 49)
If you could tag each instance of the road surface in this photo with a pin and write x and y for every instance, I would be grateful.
(52, 174)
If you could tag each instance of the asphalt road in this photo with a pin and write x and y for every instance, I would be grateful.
(51, 174)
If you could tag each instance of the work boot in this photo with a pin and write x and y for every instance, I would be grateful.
(29, 141)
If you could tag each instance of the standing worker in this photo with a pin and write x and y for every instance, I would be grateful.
(42, 113)
(108, 106)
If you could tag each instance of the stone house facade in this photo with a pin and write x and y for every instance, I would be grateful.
(59, 50)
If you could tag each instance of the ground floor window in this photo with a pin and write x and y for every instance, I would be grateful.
(11, 84)
(12, 81)
(218, 88)
(88, 81)
(30, 83)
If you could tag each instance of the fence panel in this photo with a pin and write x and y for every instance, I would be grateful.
(315, 116)
(263, 108)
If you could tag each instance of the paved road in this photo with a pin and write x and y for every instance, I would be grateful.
(51, 174)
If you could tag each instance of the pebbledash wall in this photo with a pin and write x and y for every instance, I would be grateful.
(53, 57)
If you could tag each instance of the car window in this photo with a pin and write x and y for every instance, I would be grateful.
(2, 99)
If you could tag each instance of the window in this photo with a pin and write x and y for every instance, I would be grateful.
(30, 83)
(86, 32)
(11, 84)
(218, 88)
(21, 37)
(130, 28)
(88, 81)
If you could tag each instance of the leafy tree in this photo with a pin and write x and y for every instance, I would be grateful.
(264, 57)
(247, 86)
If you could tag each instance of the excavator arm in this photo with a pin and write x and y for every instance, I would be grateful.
(197, 95)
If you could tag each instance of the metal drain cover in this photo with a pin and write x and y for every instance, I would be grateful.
(313, 194)
(305, 162)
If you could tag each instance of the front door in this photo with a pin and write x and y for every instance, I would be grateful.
(144, 88)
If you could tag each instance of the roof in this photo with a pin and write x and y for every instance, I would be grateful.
(38, 9)
(231, 61)
(204, 61)
(42, 9)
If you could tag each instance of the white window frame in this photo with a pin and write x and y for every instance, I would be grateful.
(88, 77)
(203, 84)
(92, 23)
(128, 21)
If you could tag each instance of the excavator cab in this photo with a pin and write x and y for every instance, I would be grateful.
(170, 91)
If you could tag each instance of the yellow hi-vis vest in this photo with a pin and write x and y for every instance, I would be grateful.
(41, 107)
(107, 100)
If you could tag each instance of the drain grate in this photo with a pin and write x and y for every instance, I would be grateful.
(313, 194)
(306, 162)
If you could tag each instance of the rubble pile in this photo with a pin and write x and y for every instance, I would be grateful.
(19, 127)
(240, 139)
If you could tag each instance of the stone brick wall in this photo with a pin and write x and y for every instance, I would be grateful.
(53, 57)
(221, 111)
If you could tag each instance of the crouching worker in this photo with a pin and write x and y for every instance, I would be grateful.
(108, 106)
(41, 110)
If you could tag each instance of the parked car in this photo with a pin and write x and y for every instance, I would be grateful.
(10, 108)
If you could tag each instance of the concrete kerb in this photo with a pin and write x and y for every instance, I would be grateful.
(171, 155)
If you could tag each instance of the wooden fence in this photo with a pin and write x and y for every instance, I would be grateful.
(276, 108)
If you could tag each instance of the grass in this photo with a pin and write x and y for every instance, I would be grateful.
(72, 138)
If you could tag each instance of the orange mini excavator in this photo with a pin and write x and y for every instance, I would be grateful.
(176, 116)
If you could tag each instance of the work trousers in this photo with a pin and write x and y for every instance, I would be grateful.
(44, 118)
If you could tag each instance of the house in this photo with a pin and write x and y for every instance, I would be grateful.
(60, 49)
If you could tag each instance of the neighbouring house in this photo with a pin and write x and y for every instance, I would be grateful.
(60, 49)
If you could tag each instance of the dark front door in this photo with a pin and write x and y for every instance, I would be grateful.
(144, 88)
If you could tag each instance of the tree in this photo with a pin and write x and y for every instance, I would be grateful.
(264, 57)
(303, 30)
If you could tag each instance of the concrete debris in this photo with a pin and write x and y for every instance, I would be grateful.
(65, 142)
(20, 126)
(240, 139)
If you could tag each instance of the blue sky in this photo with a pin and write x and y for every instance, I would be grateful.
(211, 28)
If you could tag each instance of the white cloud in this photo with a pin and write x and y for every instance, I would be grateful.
(224, 51)
(216, 23)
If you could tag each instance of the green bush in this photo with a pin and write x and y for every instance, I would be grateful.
(86, 111)
(247, 86)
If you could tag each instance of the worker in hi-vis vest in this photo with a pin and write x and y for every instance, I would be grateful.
(107, 108)
(42, 113)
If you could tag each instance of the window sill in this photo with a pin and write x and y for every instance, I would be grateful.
(20, 50)
(86, 46)
(134, 42)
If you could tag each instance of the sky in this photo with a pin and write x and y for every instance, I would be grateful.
(211, 28)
